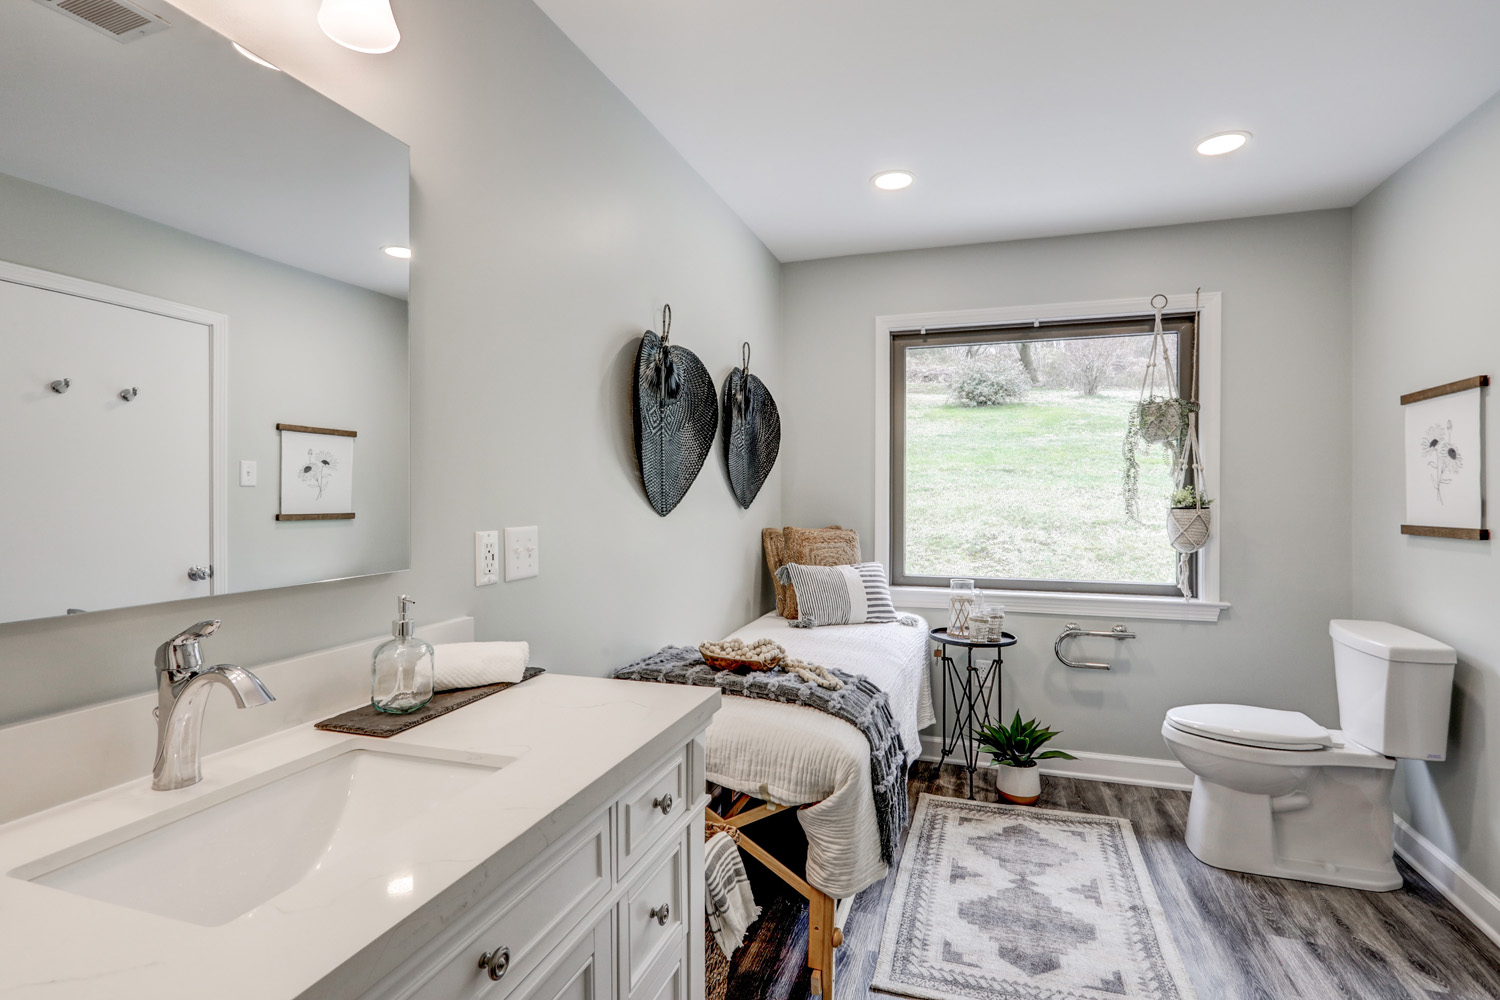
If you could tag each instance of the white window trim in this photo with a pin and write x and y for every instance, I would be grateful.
(1208, 605)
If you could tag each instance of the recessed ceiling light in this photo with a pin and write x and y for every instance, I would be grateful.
(1223, 142)
(253, 57)
(892, 180)
(400, 253)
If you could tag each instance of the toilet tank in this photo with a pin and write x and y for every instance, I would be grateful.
(1395, 688)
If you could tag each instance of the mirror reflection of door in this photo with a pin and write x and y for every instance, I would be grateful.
(106, 501)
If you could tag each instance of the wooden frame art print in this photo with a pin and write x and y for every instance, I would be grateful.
(317, 473)
(1443, 447)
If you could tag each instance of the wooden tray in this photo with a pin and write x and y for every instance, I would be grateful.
(725, 663)
(367, 720)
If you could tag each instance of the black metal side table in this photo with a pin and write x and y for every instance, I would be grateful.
(970, 690)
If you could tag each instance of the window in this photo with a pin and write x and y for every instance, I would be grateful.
(1006, 459)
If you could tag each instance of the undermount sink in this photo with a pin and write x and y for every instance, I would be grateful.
(223, 855)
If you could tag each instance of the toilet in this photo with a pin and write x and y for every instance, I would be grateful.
(1274, 793)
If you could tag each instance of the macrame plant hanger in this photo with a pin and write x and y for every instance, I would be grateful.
(1188, 528)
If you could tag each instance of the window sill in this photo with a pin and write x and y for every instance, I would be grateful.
(1043, 602)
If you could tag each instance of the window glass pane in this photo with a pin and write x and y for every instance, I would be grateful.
(1014, 465)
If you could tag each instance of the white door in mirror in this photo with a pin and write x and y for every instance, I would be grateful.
(520, 553)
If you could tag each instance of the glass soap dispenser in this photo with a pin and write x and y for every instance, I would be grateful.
(401, 672)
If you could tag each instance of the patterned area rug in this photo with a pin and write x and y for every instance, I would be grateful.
(1011, 902)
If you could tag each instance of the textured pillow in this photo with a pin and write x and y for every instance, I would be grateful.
(839, 595)
(833, 546)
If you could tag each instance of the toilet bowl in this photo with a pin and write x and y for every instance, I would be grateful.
(1320, 815)
(1274, 793)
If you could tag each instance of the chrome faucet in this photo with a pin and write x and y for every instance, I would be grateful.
(182, 687)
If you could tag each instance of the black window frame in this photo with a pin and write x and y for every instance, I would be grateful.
(1186, 327)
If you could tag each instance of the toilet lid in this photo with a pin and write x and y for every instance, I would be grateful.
(1251, 726)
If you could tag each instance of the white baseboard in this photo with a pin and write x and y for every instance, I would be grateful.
(1150, 771)
(1463, 890)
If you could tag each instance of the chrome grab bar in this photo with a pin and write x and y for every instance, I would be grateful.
(1071, 630)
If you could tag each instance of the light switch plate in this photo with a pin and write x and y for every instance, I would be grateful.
(520, 553)
(248, 473)
(486, 558)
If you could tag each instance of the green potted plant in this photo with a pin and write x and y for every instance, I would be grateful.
(1015, 748)
(1189, 521)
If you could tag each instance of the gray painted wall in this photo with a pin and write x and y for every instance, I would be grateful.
(1426, 255)
(1283, 519)
(550, 223)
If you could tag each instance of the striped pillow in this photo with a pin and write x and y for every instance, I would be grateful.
(839, 595)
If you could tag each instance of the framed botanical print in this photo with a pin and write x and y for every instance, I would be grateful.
(317, 473)
(1445, 460)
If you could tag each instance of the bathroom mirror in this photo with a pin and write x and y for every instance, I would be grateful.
(192, 252)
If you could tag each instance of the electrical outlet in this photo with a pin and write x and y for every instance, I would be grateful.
(486, 558)
(520, 553)
(248, 474)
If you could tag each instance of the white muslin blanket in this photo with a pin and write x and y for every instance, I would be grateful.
(794, 755)
(475, 664)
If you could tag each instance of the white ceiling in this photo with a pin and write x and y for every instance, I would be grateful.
(1035, 118)
(178, 128)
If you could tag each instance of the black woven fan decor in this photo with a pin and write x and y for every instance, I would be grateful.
(672, 404)
(752, 432)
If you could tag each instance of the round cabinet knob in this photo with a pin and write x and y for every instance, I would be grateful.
(661, 913)
(664, 803)
(496, 963)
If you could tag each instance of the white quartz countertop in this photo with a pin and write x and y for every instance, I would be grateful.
(574, 740)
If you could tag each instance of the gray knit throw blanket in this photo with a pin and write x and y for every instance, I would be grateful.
(860, 703)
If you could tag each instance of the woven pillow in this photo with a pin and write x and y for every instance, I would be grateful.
(839, 595)
(832, 546)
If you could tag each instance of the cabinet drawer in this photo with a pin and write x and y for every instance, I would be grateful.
(651, 913)
(667, 980)
(529, 919)
(583, 972)
(651, 807)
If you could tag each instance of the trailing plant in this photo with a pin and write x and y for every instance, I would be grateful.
(1016, 745)
(988, 380)
(1189, 496)
(1154, 421)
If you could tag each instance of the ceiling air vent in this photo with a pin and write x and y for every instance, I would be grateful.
(124, 22)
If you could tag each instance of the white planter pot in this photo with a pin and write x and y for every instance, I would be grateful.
(1188, 528)
(1021, 785)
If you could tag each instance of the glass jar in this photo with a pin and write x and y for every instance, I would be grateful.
(961, 598)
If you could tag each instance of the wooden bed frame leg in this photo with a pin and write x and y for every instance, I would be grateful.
(820, 943)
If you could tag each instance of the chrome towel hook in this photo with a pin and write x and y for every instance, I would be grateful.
(129, 394)
(1072, 630)
(61, 385)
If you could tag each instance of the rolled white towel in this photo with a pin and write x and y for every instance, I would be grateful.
(475, 664)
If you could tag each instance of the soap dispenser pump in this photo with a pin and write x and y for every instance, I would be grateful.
(401, 672)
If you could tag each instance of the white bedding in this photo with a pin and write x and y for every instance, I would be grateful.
(792, 755)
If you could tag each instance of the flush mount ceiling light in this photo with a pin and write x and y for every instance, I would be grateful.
(400, 253)
(361, 25)
(253, 57)
(892, 180)
(1223, 142)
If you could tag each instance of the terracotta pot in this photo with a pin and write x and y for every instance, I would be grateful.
(1021, 785)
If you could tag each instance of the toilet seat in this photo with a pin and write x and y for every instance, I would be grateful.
(1250, 725)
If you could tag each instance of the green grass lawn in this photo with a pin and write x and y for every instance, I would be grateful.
(1030, 490)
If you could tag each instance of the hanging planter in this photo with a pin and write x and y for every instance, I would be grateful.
(1189, 520)
(1161, 416)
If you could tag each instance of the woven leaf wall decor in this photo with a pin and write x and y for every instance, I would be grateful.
(675, 416)
(752, 432)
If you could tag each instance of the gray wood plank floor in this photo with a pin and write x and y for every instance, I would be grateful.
(1242, 937)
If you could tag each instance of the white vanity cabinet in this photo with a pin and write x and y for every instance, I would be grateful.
(611, 910)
